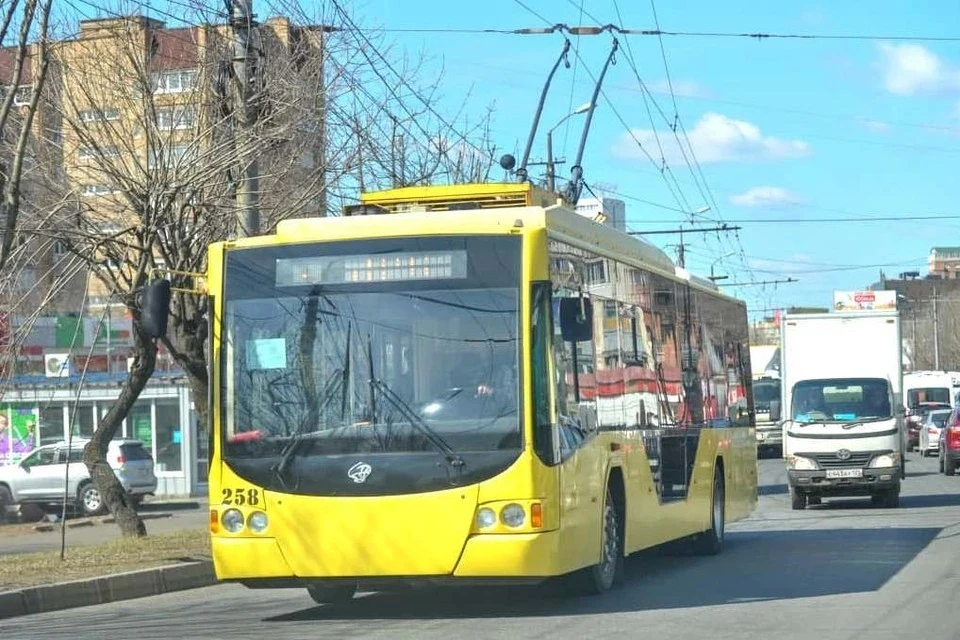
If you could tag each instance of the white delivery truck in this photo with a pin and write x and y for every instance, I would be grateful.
(843, 427)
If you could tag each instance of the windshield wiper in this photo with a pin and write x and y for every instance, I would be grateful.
(452, 457)
(332, 385)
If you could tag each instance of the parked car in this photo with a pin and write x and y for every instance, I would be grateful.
(915, 417)
(39, 478)
(930, 430)
(949, 444)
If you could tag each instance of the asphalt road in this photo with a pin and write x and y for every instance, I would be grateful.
(843, 570)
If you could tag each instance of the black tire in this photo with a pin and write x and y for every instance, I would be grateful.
(710, 542)
(814, 500)
(338, 593)
(949, 468)
(798, 500)
(608, 572)
(90, 501)
(940, 462)
(6, 500)
(891, 498)
(876, 499)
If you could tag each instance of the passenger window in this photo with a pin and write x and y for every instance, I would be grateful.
(40, 457)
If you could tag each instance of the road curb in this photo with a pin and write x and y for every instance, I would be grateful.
(105, 589)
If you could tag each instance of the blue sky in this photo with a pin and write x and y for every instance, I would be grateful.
(783, 129)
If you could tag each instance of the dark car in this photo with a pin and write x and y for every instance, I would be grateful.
(915, 417)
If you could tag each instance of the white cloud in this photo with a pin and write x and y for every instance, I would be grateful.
(714, 138)
(767, 197)
(911, 69)
(681, 88)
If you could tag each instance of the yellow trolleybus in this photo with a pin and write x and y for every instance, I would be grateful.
(467, 384)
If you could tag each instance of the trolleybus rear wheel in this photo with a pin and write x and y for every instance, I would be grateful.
(711, 542)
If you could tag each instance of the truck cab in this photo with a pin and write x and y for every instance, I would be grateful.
(843, 427)
(766, 403)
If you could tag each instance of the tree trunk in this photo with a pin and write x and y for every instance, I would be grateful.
(117, 500)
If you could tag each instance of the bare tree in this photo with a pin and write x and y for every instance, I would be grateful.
(152, 159)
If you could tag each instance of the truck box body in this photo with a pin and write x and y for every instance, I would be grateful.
(841, 396)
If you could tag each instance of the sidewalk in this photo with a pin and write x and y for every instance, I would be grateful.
(159, 516)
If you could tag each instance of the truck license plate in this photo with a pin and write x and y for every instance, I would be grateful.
(844, 473)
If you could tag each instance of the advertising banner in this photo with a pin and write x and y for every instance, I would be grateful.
(864, 300)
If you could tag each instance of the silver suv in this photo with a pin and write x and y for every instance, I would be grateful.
(39, 478)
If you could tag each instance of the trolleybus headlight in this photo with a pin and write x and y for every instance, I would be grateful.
(799, 463)
(258, 522)
(513, 515)
(232, 520)
(886, 460)
(486, 518)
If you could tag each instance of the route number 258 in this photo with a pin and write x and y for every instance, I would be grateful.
(241, 497)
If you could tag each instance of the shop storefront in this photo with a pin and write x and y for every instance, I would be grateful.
(163, 419)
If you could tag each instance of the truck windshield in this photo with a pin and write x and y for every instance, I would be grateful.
(766, 392)
(860, 399)
(385, 351)
(927, 394)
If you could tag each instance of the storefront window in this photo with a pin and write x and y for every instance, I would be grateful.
(51, 424)
(169, 435)
(139, 424)
(201, 446)
(82, 423)
(18, 431)
(103, 408)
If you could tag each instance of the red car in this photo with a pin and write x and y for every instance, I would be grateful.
(950, 444)
(915, 417)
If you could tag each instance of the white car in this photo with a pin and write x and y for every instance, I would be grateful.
(930, 428)
(40, 476)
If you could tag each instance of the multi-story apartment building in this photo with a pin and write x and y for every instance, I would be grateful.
(135, 124)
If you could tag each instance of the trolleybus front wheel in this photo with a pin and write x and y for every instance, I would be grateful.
(602, 576)
(334, 593)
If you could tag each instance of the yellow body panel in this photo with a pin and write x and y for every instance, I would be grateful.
(434, 534)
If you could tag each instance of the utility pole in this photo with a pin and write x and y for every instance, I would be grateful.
(248, 187)
(936, 332)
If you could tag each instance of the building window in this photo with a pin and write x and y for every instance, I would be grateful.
(51, 424)
(179, 81)
(92, 115)
(140, 424)
(169, 435)
(86, 153)
(22, 96)
(18, 425)
(26, 279)
(96, 189)
(168, 157)
(175, 118)
(82, 423)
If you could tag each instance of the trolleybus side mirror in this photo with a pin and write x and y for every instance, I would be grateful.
(155, 306)
(576, 319)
